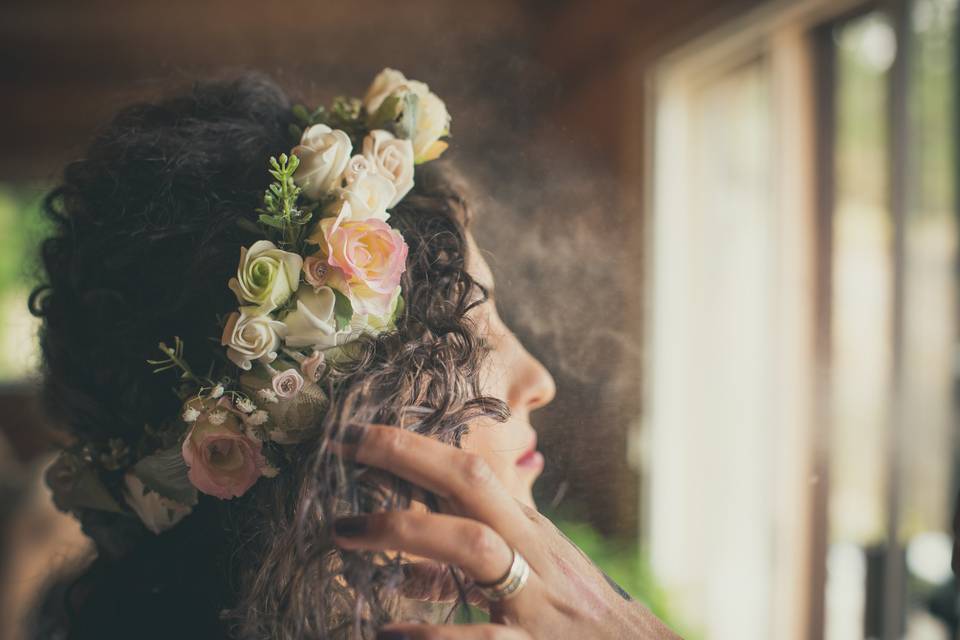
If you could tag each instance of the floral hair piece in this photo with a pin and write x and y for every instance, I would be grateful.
(325, 272)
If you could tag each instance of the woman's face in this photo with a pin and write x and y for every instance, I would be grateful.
(511, 374)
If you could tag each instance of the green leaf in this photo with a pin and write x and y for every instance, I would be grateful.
(342, 310)
(407, 125)
(300, 113)
(271, 221)
(398, 310)
(386, 113)
(166, 473)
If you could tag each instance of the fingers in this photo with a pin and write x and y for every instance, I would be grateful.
(468, 544)
(462, 478)
(451, 632)
(432, 582)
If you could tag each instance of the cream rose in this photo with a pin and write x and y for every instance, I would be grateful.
(312, 323)
(250, 336)
(223, 460)
(387, 83)
(368, 196)
(357, 166)
(266, 276)
(323, 153)
(392, 158)
(432, 121)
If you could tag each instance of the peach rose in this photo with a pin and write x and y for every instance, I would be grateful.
(312, 365)
(287, 384)
(366, 259)
(223, 461)
(315, 271)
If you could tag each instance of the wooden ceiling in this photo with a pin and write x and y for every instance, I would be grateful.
(65, 66)
(544, 65)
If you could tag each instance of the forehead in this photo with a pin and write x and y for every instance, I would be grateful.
(477, 264)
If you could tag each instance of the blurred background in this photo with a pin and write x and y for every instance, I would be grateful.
(728, 227)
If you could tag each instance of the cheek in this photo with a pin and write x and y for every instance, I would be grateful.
(494, 378)
(491, 441)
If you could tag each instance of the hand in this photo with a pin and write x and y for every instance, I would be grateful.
(477, 529)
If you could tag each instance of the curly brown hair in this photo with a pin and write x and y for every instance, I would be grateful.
(145, 237)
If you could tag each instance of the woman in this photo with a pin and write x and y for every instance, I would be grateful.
(348, 431)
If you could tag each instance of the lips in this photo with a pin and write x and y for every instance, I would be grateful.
(531, 458)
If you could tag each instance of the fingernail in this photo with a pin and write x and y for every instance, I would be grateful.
(352, 434)
(392, 635)
(350, 527)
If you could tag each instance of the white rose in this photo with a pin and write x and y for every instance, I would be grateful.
(384, 85)
(323, 153)
(433, 122)
(368, 196)
(312, 323)
(266, 276)
(156, 512)
(357, 166)
(392, 158)
(249, 336)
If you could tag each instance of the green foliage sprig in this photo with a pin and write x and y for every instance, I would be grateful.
(175, 360)
(346, 114)
(280, 213)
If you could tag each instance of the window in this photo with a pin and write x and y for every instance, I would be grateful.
(802, 322)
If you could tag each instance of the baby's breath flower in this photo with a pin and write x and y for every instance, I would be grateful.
(217, 417)
(268, 395)
(269, 471)
(245, 404)
(257, 418)
(190, 414)
(217, 391)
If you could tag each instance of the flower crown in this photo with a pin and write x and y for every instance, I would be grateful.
(326, 272)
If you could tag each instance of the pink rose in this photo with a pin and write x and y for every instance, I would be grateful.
(315, 271)
(223, 461)
(366, 259)
(287, 384)
(311, 366)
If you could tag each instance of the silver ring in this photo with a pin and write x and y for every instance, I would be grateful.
(510, 584)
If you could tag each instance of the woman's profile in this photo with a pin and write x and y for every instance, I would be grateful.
(293, 410)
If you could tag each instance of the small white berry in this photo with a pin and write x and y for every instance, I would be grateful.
(269, 471)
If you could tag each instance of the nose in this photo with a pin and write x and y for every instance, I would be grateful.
(531, 386)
